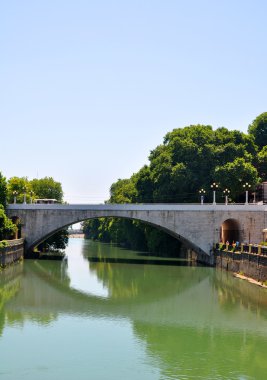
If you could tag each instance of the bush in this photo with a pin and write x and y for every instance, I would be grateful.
(3, 244)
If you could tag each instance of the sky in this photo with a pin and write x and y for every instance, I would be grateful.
(89, 88)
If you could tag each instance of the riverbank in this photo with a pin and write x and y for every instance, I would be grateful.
(251, 280)
(248, 266)
(14, 251)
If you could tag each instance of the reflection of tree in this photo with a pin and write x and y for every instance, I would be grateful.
(18, 318)
(188, 352)
(55, 271)
(7, 291)
(33, 294)
(144, 281)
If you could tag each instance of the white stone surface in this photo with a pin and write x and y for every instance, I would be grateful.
(196, 225)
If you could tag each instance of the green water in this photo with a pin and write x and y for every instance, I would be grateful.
(81, 319)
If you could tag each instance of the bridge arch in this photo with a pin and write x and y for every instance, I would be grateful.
(230, 231)
(187, 243)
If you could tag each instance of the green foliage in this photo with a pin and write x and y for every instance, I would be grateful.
(262, 163)
(234, 174)
(258, 129)
(45, 187)
(17, 187)
(7, 228)
(3, 190)
(57, 242)
(189, 159)
(144, 185)
(122, 191)
(3, 244)
(48, 188)
(125, 232)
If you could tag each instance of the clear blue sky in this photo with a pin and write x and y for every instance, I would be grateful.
(88, 88)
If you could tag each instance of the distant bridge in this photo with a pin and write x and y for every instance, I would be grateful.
(197, 226)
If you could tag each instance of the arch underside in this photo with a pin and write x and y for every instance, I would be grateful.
(189, 244)
(230, 231)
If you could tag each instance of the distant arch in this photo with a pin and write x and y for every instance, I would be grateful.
(230, 231)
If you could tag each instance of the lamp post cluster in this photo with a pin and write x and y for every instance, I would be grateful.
(214, 186)
(15, 194)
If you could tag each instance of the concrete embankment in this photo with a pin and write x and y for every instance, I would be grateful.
(246, 264)
(13, 252)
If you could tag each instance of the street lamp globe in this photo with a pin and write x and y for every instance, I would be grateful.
(246, 187)
(202, 192)
(214, 186)
(15, 193)
(226, 192)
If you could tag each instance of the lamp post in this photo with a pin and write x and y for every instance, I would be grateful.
(226, 192)
(15, 193)
(246, 187)
(24, 196)
(214, 186)
(202, 192)
(32, 194)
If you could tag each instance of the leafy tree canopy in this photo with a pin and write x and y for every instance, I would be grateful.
(3, 190)
(7, 228)
(258, 129)
(47, 187)
(189, 159)
(16, 188)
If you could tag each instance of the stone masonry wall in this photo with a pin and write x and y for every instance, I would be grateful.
(12, 253)
(253, 266)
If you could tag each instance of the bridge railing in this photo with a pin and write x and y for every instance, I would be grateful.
(253, 249)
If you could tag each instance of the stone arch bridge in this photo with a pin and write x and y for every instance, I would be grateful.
(197, 226)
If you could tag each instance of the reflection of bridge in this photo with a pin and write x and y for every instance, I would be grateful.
(51, 296)
(198, 226)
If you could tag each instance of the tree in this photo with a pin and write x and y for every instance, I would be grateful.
(3, 190)
(56, 242)
(7, 228)
(189, 159)
(48, 188)
(262, 163)
(234, 174)
(258, 129)
(123, 191)
(144, 185)
(18, 187)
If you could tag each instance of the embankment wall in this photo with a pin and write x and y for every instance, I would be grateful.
(12, 253)
(249, 265)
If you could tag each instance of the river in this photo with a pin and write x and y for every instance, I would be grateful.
(110, 313)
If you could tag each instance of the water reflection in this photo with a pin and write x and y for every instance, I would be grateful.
(9, 287)
(78, 286)
(82, 278)
(195, 322)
